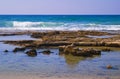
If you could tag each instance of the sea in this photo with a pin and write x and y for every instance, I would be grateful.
(45, 66)
(60, 22)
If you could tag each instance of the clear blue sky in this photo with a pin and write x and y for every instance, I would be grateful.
(59, 6)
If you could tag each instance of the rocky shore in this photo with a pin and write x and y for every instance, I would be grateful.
(67, 41)
(62, 49)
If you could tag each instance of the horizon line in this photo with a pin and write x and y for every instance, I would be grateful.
(59, 14)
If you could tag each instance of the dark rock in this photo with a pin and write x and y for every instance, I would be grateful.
(6, 51)
(18, 49)
(109, 67)
(32, 53)
(46, 52)
(93, 51)
(82, 52)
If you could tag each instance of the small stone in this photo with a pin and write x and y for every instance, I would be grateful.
(32, 53)
(109, 67)
(6, 51)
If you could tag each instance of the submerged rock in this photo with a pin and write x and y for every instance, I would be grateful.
(109, 67)
(46, 52)
(6, 50)
(18, 49)
(32, 53)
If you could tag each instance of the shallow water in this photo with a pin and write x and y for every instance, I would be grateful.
(16, 37)
(104, 36)
(54, 64)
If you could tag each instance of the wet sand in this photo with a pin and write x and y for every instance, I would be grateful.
(53, 77)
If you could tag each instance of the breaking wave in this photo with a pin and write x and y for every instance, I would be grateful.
(57, 26)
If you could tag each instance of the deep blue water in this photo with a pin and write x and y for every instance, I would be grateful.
(60, 22)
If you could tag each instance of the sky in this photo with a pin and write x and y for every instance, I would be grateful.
(60, 7)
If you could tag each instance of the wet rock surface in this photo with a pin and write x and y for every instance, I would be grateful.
(109, 67)
(75, 51)
(106, 49)
(61, 38)
(32, 53)
(18, 49)
(46, 52)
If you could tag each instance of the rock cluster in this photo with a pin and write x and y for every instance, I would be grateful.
(31, 52)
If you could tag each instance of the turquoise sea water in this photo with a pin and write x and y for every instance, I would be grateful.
(60, 22)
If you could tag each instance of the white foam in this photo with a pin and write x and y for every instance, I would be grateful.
(35, 24)
(25, 24)
(58, 26)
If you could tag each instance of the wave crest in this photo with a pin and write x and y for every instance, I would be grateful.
(58, 26)
(35, 24)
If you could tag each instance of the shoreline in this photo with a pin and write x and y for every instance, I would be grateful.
(21, 76)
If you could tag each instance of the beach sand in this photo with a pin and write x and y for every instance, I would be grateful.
(21, 76)
(53, 77)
